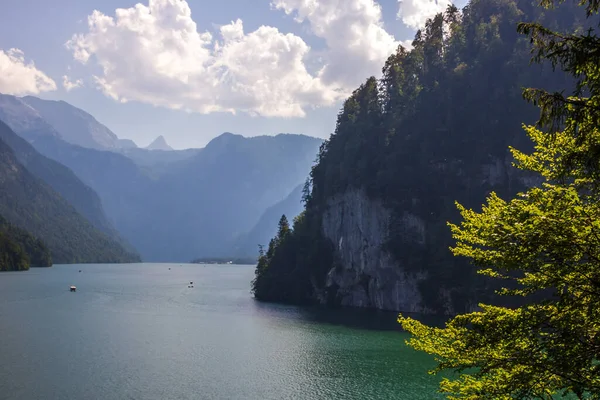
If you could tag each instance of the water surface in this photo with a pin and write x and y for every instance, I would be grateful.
(139, 332)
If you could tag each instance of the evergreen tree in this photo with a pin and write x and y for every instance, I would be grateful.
(283, 229)
(306, 191)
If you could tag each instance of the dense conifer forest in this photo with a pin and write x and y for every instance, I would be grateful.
(19, 250)
(434, 129)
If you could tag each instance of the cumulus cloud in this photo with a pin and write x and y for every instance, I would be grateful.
(357, 43)
(415, 13)
(18, 77)
(156, 54)
(69, 85)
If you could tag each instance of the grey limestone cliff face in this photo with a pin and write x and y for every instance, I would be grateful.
(365, 275)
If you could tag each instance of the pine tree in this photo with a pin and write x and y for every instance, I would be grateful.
(283, 229)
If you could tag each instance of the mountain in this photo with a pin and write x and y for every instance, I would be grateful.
(19, 249)
(159, 144)
(197, 206)
(60, 178)
(433, 130)
(157, 162)
(30, 204)
(74, 125)
(200, 207)
(122, 186)
(246, 245)
(172, 205)
(126, 144)
(32, 118)
(23, 118)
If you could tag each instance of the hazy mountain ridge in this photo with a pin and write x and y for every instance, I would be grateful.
(30, 204)
(235, 179)
(246, 244)
(74, 125)
(176, 205)
(157, 162)
(121, 185)
(60, 178)
(126, 144)
(23, 118)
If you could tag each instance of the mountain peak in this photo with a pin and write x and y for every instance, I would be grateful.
(159, 144)
(23, 118)
(73, 124)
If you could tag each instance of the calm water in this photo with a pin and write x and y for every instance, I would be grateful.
(138, 332)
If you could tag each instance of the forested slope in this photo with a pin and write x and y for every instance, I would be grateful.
(19, 250)
(433, 130)
(30, 204)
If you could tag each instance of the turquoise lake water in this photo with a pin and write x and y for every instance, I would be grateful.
(139, 332)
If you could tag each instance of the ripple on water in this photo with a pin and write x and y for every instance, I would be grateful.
(138, 332)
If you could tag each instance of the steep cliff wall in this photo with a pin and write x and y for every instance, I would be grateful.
(365, 274)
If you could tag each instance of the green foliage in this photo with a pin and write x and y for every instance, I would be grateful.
(60, 178)
(436, 128)
(543, 246)
(281, 274)
(19, 250)
(12, 256)
(30, 204)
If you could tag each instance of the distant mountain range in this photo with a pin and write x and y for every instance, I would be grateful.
(74, 125)
(170, 205)
(200, 207)
(30, 203)
(246, 245)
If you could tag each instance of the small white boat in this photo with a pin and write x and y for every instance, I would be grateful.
(73, 289)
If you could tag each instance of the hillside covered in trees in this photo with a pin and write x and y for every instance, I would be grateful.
(30, 204)
(60, 178)
(435, 129)
(19, 250)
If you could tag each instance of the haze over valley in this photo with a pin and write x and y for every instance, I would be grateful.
(168, 205)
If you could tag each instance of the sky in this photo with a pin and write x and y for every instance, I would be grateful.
(191, 70)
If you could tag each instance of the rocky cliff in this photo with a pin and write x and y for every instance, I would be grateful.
(365, 274)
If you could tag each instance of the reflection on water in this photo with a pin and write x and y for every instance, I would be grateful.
(139, 332)
(355, 318)
(347, 317)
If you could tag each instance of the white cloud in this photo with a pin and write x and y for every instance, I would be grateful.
(155, 54)
(70, 85)
(18, 77)
(357, 42)
(415, 13)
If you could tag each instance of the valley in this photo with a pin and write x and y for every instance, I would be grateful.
(160, 203)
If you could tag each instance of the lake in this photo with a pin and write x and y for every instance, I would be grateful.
(138, 331)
